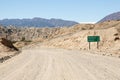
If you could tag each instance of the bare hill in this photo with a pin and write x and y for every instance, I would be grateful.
(114, 16)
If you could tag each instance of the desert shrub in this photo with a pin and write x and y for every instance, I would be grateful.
(91, 28)
(27, 41)
(118, 20)
(116, 38)
(116, 34)
(23, 39)
(13, 42)
(83, 28)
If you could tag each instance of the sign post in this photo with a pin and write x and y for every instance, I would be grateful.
(97, 45)
(89, 45)
(93, 39)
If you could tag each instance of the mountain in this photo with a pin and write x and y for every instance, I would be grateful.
(113, 16)
(37, 22)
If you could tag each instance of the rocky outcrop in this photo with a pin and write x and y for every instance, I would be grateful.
(8, 44)
(7, 49)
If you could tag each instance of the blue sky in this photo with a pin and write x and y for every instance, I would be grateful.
(76, 10)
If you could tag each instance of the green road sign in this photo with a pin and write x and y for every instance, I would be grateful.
(93, 38)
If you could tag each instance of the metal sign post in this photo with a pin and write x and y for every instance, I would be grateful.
(93, 39)
(97, 45)
(89, 45)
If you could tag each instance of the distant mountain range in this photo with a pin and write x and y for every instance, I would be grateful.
(113, 16)
(37, 22)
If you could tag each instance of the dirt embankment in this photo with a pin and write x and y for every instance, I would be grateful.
(7, 49)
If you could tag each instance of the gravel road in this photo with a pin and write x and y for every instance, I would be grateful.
(59, 64)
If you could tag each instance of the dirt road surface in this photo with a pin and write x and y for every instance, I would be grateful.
(59, 64)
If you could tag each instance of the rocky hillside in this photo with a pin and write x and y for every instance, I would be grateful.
(74, 37)
(40, 34)
(32, 33)
(37, 22)
(113, 16)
